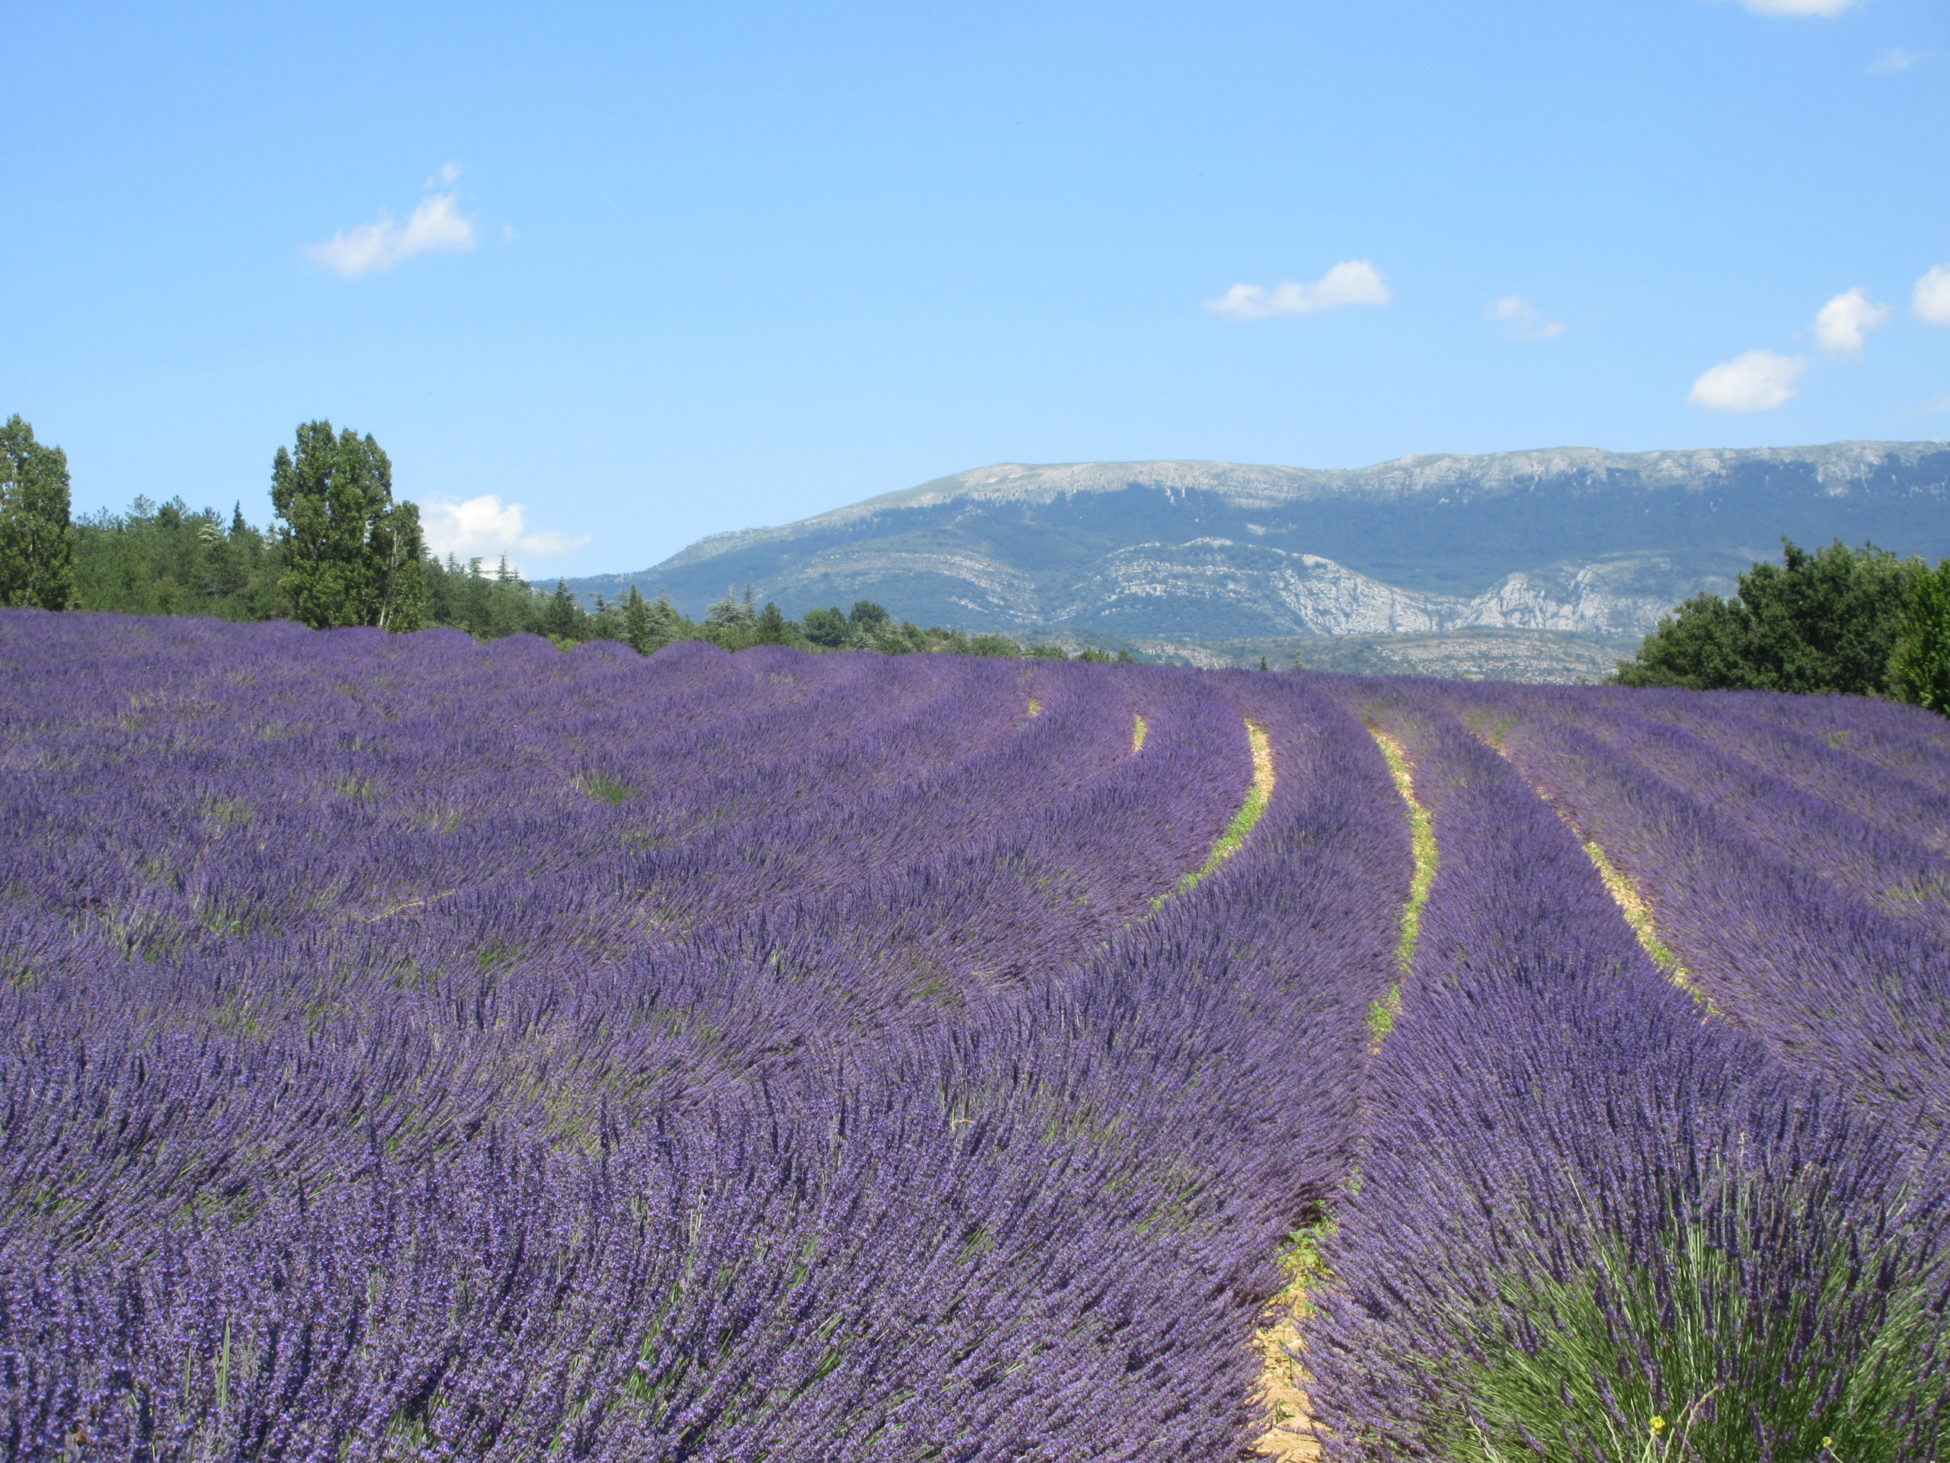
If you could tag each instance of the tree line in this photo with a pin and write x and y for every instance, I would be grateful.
(1858, 621)
(343, 551)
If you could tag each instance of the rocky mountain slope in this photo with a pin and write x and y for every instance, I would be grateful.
(1571, 540)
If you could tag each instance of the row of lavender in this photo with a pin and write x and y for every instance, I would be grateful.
(414, 1049)
(1594, 1222)
(1801, 861)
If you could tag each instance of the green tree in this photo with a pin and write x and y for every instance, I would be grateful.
(636, 622)
(1919, 669)
(165, 559)
(398, 551)
(771, 627)
(868, 621)
(826, 628)
(351, 555)
(731, 614)
(1702, 644)
(1825, 621)
(562, 617)
(36, 537)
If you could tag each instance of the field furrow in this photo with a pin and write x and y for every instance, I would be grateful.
(419, 1050)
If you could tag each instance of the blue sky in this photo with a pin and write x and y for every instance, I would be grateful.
(603, 278)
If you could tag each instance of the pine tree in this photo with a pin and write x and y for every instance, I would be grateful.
(771, 626)
(562, 617)
(636, 622)
(36, 535)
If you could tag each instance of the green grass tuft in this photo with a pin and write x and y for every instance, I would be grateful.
(1421, 833)
(609, 789)
(1244, 821)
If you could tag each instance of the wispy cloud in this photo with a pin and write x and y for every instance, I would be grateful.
(1797, 7)
(487, 528)
(1843, 324)
(1938, 404)
(436, 226)
(1756, 381)
(1525, 320)
(1897, 59)
(1351, 282)
(1931, 299)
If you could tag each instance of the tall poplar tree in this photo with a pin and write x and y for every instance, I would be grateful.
(36, 536)
(351, 554)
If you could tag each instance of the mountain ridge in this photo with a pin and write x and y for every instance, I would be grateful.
(1422, 471)
(1565, 540)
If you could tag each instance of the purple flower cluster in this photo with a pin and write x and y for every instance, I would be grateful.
(1591, 1222)
(419, 1049)
(1805, 885)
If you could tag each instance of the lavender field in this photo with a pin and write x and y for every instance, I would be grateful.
(415, 1048)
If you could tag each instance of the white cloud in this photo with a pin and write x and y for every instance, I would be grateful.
(436, 226)
(1351, 282)
(487, 528)
(1525, 320)
(1938, 403)
(1797, 7)
(1756, 381)
(1844, 322)
(1931, 301)
(1897, 59)
(445, 177)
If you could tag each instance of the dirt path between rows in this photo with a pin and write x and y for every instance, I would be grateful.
(1293, 1434)
(1292, 1438)
(1278, 1392)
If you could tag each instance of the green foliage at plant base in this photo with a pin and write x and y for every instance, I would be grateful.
(1734, 1336)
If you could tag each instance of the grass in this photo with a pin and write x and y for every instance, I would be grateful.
(1631, 902)
(228, 813)
(1421, 834)
(1304, 1261)
(1258, 795)
(1638, 914)
(608, 789)
(1383, 1014)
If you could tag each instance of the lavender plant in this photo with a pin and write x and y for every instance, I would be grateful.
(417, 1049)
(1590, 1226)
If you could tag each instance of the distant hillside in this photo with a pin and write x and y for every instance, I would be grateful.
(1570, 540)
